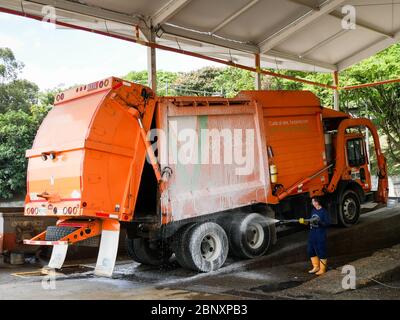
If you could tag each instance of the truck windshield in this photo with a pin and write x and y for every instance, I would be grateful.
(355, 152)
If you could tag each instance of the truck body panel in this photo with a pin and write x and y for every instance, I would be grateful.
(212, 177)
(95, 143)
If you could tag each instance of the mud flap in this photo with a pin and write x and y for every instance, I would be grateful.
(108, 248)
(58, 256)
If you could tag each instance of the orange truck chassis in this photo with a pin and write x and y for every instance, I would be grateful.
(193, 176)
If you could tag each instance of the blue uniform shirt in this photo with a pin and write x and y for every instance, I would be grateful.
(320, 228)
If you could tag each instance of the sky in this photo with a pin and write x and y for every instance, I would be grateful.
(56, 57)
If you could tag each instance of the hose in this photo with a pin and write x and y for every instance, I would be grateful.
(383, 284)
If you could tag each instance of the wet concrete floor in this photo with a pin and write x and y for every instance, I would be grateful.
(262, 278)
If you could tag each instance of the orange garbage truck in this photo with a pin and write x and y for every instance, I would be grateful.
(194, 177)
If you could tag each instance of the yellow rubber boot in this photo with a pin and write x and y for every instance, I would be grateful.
(323, 265)
(315, 264)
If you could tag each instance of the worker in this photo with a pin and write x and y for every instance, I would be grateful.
(316, 248)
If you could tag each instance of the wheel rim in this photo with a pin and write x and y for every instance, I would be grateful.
(349, 208)
(255, 235)
(210, 247)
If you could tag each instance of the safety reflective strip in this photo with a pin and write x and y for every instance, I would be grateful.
(107, 215)
(118, 85)
(44, 243)
(66, 199)
(99, 214)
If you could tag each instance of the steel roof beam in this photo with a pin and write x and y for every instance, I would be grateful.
(87, 10)
(234, 16)
(208, 38)
(312, 4)
(337, 15)
(363, 25)
(368, 51)
(295, 58)
(168, 11)
(298, 24)
(323, 43)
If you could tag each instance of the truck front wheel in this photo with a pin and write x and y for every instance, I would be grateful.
(148, 252)
(349, 209)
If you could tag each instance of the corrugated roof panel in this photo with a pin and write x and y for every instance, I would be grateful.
(143, 7)
(381, 14)
(320, 30)
(262, 20)
(205, 15)
(345, 45)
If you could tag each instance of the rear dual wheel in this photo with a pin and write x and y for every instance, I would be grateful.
(145, 251)
(202, 247)
(250, 235)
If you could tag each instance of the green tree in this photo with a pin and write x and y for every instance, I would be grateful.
(9, 66)
(200, 82)
(232, 80)
(137, 76)
(46, 98)
(213, 81)
(273, 83)
(17, 131)
(18, 95)
(22, 110)
(165, 80)
(15, 94)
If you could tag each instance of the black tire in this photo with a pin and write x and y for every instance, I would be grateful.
(130, 251)
(54, 233)
(206, 247)
(349, 209)
(93, 242)
(145, 252)
(250, 236)
(180, 241)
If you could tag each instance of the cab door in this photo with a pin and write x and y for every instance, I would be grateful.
(357, 161)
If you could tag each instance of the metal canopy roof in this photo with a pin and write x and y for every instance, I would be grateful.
(289, 34)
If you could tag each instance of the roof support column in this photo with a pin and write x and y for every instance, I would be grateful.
(258, 75)
(336, 91)
(151, 63)
(367, 147)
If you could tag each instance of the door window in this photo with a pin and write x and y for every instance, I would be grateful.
(355, 153)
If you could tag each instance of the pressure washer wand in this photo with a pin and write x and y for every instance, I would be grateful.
(288, 221)
(301, 221)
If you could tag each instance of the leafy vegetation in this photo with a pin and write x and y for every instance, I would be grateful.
(22, 109)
